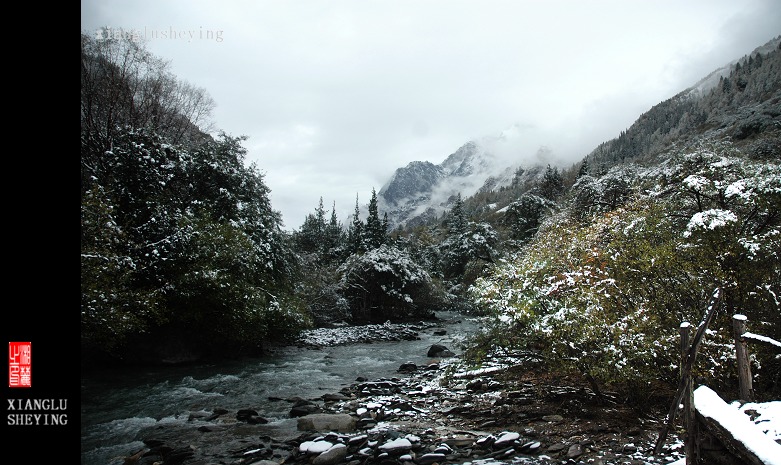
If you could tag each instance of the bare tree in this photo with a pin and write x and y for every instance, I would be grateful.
(123, 84)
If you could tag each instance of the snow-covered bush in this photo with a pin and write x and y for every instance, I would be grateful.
(524, 215)
(385, 283)
(477, 242)
(185, 238)
(606, 295)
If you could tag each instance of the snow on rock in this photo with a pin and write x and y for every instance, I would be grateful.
(333, 455)
(506, 439)
(739, 425)
(314, 447)
(396, 445)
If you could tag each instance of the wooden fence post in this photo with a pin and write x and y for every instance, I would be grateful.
(689, 414)
(741, 354)
(687, 368)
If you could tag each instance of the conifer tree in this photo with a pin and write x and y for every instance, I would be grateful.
(355, 234)
(320, 212)
(552, 185)
(334, 233)
(374, 233)
(457, 222)
(584, 168)
(312, 235)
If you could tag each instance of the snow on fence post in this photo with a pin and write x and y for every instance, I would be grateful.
(689, 414)
(741, 354)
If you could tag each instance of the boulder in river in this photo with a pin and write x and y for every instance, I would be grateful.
(408, 367)
(438, 350)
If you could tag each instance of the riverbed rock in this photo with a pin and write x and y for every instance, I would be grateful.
(334, 397)
(430, 458)
(506, 439)
(314, 447)
(439, 351)
(325, 422)
(408, 367)
(574, 451)
(396, 446)
(250, 416)
(423, 418)
(332, 456)
(304, 407)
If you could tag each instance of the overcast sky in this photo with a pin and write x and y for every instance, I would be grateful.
(335, 95)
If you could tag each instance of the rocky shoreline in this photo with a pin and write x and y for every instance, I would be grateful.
(438, 413)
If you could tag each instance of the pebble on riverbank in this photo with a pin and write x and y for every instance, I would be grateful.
(415, 420)
(425, 416)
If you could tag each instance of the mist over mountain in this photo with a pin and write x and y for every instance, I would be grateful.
(736, 101)
(422, 191)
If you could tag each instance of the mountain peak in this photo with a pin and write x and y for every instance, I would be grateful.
(424, 190)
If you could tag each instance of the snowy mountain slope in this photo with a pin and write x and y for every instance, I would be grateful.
(422, 190)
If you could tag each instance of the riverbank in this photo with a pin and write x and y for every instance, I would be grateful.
(437, 412)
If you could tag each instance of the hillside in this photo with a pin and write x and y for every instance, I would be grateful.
(680, 213)
(739, 101)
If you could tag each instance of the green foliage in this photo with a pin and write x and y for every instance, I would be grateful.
(476, 242)
(604, 291)
(374, 230)
(525, 215)
(457, 222)
(355, 234)
(113, 305)
(319, 288)
(385, 283)
(552, 185)
(311, 237)
(178, 238)
(178, 235)
(593, 195)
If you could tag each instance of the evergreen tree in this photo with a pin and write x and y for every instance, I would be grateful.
(456, 221)
(312, 237)
(176, 239)
(552, 185)
(334, 233)
(525, 215)
(320, 216)
(335, 237)
(355, 233)
(584, 168)
(375, 231)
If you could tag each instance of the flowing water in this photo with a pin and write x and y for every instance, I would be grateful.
(115, 406)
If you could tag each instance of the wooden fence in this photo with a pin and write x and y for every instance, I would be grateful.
(706, 441)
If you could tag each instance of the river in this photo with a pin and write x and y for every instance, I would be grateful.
(117, 405)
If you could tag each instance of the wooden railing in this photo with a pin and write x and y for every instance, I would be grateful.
(700, 429)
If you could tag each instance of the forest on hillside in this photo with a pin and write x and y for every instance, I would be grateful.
(592, 267)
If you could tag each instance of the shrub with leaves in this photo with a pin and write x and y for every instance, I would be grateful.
(386, 284)
(606, 296)
(181, 238)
